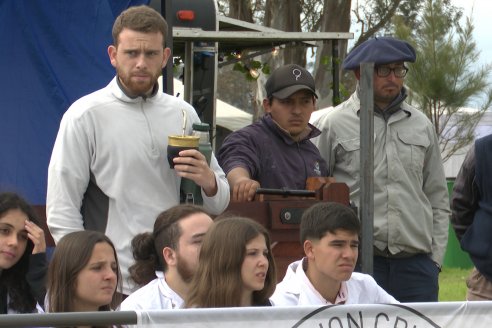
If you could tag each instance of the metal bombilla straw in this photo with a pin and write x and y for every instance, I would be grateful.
(184, 121)
(187, 186)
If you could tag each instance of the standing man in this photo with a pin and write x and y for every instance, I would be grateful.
(276, 152)
(471, 205)
(411, 205)
(109, 169)
(330, 239)
(172, 249)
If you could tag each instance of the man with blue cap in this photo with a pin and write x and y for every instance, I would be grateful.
(411, 205)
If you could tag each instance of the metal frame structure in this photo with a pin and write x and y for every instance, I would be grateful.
(367, 166)
(260, 40)
(437, 314)
(229, 35)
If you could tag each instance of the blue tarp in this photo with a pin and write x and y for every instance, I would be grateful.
(52, 53)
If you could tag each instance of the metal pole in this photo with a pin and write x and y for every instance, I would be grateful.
(69, 319)
(188, 73)
(336, 71)
(367, 165)
(167, 74)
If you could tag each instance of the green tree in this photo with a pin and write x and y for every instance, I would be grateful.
(445, 78)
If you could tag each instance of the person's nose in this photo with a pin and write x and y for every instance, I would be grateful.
(141, 61)
(392, 76)
(263, 261)
(296, 107)
(109, 274)
(13, 240)
(349, 252)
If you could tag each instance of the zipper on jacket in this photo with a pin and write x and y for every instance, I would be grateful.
(305, 165)
(149, 128)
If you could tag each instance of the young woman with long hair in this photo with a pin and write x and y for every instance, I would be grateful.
(83, 274)
(236, 266)
(22, 256)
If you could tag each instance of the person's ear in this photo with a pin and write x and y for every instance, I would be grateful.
(308, 248)
(166, 55)
(112, 55)
(169, 256)
(266, 105)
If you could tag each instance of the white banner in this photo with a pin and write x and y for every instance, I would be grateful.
(409, 315)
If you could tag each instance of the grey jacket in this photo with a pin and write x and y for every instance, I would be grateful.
(411, 204)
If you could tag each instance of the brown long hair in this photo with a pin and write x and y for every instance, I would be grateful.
(72, 253)
(218, 282)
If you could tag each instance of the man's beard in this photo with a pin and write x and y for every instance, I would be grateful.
(387, 97)
(136, 89)
(184, 269)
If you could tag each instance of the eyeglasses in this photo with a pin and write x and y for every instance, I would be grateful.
(384, 71)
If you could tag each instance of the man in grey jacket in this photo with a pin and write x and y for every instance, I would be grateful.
(411, 205)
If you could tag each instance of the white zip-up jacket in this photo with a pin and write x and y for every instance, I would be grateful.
(109, 169)
(296, 289)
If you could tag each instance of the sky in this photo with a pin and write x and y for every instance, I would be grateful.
(479, 11)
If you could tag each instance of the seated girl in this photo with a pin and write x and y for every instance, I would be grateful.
(83, 274)
(235, 268)
(22, 257)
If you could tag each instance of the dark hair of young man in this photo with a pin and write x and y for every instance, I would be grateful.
(325, 217)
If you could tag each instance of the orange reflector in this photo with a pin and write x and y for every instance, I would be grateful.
(185, 15)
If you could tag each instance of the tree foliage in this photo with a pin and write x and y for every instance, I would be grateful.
(444, 79)
(373, 17)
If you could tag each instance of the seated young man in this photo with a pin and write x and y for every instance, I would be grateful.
(330, 237)
(173, 247)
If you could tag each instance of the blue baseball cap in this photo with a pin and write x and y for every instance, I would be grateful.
(383, 50)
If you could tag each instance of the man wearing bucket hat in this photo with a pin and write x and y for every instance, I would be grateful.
(276, 151)
(411, 205)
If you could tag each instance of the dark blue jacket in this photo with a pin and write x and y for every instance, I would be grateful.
(477, 240)
(271, 156)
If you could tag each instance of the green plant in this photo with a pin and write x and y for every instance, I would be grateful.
(452, 284)
(251, 69)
